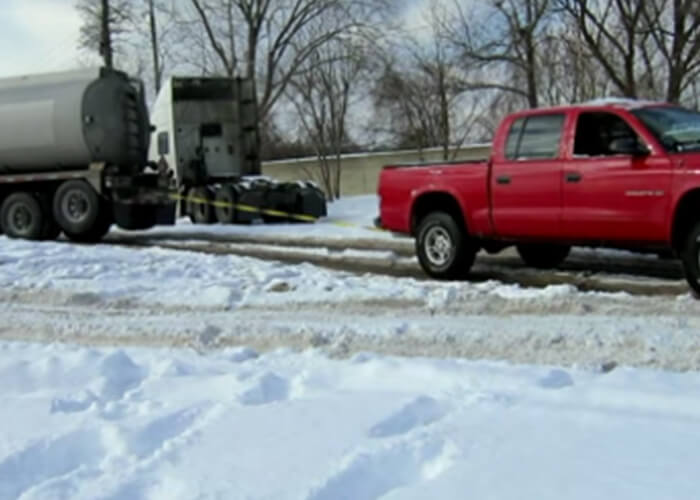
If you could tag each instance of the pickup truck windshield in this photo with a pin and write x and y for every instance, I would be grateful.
(677, 129)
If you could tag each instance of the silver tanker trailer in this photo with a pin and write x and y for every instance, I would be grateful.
(74, 157)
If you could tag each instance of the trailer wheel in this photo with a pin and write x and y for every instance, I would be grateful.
(21, 216)
(99, 229)
(200, 208)
(443, 247)
(226, 197)
(76, 207)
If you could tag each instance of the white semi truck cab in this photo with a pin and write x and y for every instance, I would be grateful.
(206, 136)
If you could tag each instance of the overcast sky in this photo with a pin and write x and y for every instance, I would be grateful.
(38, 36)
(42, 35)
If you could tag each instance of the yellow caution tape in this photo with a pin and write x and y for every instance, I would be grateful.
(266, 211)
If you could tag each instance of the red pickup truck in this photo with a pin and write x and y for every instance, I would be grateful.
(619, 174)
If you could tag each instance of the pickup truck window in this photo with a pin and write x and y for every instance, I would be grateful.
(535, 137)
(677, 129)
(596, 130)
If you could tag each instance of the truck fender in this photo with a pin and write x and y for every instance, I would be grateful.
(433, 198)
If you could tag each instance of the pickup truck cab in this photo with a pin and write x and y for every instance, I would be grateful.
(612, 173)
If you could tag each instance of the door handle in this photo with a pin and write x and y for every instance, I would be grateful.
(573, 177)
(503, 179)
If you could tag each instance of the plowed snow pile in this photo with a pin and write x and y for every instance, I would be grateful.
(129, 424)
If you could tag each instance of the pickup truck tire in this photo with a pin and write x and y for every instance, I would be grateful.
(690, 256)
(542, 256)
(21, 216)
(443, 247)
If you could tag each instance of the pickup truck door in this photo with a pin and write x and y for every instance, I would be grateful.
(526, 178)
(614, 197)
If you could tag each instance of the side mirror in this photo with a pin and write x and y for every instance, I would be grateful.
(628, 146)
(163, 144)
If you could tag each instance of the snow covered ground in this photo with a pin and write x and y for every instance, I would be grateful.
(80, 423)
(159, 373)
(114, 295)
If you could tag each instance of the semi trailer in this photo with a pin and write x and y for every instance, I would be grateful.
(206, 138)
(74, 157)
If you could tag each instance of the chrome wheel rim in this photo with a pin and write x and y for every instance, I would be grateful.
(438, 246)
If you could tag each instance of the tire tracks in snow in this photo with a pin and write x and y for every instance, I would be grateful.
(631, 274)
(587, 330)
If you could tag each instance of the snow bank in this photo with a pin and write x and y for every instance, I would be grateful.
(130, 424)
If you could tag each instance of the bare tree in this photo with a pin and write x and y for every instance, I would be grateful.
(157, 62)
(508, 35)
(269, 39)
(422, 91)
(105, 26)
(674, 26)
(321, 92)
(155, 25)
(614, 35)
(222, 41)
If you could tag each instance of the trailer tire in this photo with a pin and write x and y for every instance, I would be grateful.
(76, 207)
(226, 197)
(444, 248)
(543, 256)
(200, 211)
(97, 231)
(21, 216)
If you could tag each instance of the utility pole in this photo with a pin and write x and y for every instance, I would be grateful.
(106, 36)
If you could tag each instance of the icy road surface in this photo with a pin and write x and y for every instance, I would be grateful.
(81, 423)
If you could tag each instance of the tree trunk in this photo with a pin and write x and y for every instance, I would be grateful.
(157, 70)
(444, 115)
(106, 36)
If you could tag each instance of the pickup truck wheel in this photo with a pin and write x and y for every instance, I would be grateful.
(543, 256)
(443, 247)
(690, 256)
